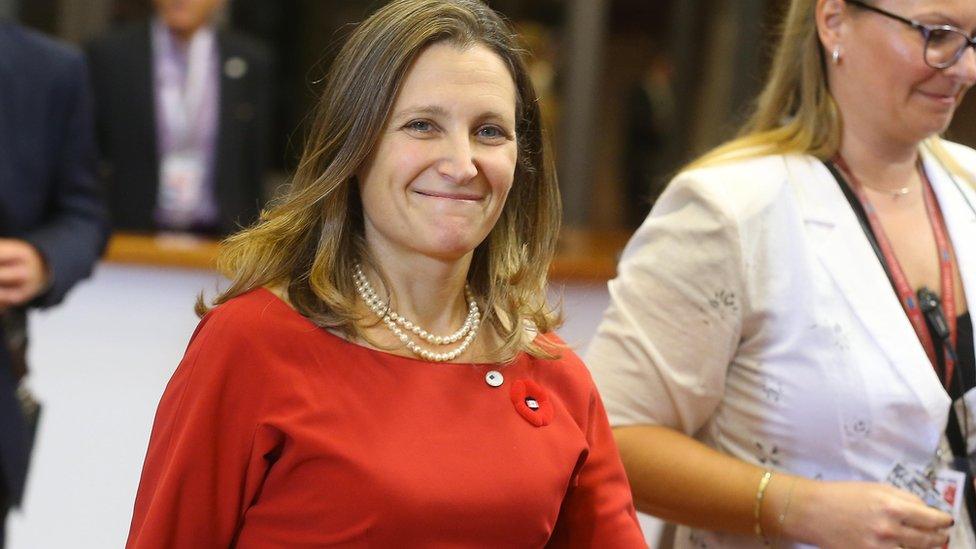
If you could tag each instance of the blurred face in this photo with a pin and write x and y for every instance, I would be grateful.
(184, 17)
(883, 82)
(437, 181)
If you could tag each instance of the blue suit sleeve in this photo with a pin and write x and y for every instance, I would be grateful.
(75, 231)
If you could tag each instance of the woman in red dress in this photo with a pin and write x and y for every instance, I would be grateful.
(381, 371)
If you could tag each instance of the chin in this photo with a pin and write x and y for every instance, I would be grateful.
(925, 127)
(937, 128)
(451, 248)
(179, 22)
(453, 238)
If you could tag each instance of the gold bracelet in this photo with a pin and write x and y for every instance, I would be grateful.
(786, 510)
(760, 494)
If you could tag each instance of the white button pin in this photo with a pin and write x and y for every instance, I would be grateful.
(494, 378)
(235, 67)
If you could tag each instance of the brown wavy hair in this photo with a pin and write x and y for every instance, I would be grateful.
(310, 238)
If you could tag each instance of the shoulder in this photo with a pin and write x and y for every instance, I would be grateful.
(566, 375)
(33, 49)
(767, 166)
(741, 179)
(737, 189)
(258, 315)
(966, 156)
(37, 44)
(253, 331)
(238, 359)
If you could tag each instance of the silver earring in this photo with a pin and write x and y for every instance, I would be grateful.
(835, 56)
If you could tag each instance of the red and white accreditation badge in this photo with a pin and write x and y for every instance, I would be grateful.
(180, 187)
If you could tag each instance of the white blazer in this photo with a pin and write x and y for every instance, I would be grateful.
(751, 312)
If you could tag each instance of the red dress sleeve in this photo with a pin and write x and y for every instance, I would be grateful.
(599, 509)
(209, 450)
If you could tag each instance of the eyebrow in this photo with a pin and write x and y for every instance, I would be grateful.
(436, 110)
(948, 19)
(432, 110)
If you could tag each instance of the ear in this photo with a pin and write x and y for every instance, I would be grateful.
(830, 16)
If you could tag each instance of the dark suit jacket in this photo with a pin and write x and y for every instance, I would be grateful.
(49, 195)
(122, 77)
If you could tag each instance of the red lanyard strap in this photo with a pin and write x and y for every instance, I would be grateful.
(906, 295)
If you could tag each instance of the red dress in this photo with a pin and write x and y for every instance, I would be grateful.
(275, 433)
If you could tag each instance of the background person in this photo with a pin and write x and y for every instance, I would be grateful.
(762, 358)
(298, 416)
(53, 223)
(183, 113)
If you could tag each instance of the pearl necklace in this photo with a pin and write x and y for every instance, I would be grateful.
(398, 323)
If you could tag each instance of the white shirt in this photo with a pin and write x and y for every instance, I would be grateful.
(186, 84)
(751, 312)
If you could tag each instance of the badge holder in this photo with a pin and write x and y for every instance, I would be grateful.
(180, 188)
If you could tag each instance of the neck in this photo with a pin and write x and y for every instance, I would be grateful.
(183, 36)
(880, 163)
(428, 291)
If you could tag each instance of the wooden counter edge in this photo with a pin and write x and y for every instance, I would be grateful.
(583, 256)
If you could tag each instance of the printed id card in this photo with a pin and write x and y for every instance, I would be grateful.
(942, 489)
(180, 187)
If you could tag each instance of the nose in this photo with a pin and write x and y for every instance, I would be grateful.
(965, 69)
(458, 162)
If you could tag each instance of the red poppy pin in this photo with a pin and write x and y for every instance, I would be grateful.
(532, 402)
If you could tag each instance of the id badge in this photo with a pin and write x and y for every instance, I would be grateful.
(940, 489)
(180, 187)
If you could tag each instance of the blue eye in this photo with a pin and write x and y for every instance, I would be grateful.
(419, 126)
(491, 132)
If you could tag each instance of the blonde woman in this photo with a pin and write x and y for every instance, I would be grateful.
(790, 325)
(381, 372)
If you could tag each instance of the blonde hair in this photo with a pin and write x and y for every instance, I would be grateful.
(310, 239)
(795, 112)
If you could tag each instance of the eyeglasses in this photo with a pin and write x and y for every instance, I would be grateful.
(944, 44)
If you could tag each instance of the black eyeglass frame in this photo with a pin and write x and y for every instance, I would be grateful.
(926, 31)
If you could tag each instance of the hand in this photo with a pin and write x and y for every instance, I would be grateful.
(864, 515)
(23, 273)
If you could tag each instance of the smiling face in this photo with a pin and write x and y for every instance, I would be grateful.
(883, 83)
(438, 179)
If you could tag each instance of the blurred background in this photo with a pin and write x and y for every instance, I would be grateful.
(632, 90)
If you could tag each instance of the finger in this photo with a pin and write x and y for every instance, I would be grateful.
(12, 276)
(6, 301)
(922, 517)
(12, 250)
(9, 243)
(11, 257)
(913, 538)
(912, 510)
(12, 297)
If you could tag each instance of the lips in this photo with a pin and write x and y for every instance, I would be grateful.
(467, 197)
(944, 98)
